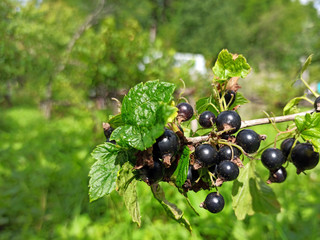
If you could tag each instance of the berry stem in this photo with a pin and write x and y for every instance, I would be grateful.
(310, 89)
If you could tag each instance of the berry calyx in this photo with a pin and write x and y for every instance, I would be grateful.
(273, 158)
(317, 104)
(207, 119)
(304, 157)
(228, 121)
(249, 140)
(286, 145)
(207, 155)
(227, 171)
(214, 202)
(277, 176)
(228, 153)
(167, 143)
(185, 111)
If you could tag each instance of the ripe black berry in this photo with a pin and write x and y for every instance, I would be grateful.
(229, 121)
(286, 145)
(249, 140)
(206, 155)
(113, 141)
(227, 170)
(153, 174)
(207, 119)
(107, 132)
(272, 158)
(214, 202)
(277, 176)
(193, 175)
(167, 143)
(225, 153)
(317, 104)
(185, 111)
(304, 157)
(230, 97)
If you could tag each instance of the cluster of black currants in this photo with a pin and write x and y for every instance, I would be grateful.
(221, 156)
(302, 155)
(216, 158)
(211, 163)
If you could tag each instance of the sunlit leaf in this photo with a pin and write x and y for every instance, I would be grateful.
(181, 172)
(126, 186)
(229, 65)
(172, 210)
(309, 128)
(250, 194)
(145, 111)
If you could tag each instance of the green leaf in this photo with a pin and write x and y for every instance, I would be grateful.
(291, 106)
(171, 209)
(181, 172)
(116, 121)
(205, 104)
(228, 65)
(305, 65)
(251, 194)
(309, 128)
(145, 111)
(240, 100)
(103, 172)
(126, 186)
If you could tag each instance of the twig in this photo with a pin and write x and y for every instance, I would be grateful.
(261, 121)
(254, 122)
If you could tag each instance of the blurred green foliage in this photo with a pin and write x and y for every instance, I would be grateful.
(61, 57)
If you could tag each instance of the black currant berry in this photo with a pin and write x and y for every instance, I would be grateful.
(225, 153)
(207, 155)
(227, 170)
(286, 146)
(107, 132)
(185, 111)
(304, 157)
(272, 158)
(113, 141)
(317, 104)
(153, 174)
(167, 143)
(193, 175)
(230, 97)
(228, 121)
(214, 202)
(249, 140)
(207, 119)
(277, 176)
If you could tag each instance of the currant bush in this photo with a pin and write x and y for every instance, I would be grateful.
(151, 141)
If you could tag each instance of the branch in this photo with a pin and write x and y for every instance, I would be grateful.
(261, 121)
(87, 24)
(254, 122)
